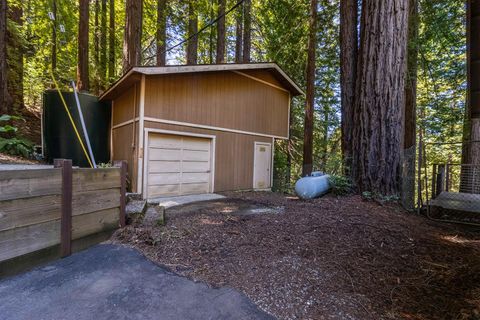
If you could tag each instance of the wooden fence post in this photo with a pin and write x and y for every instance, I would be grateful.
(123, 189)
(66, 208)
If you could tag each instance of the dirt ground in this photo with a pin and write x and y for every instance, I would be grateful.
(330, 258)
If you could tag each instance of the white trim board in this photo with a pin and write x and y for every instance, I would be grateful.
(213, 139)
(141, 137)
(201, 126)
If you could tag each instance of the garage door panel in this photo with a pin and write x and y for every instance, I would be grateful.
(195, 166)
(191, 188)
(196, 177)
(164, 141)
(164, 154)
(164, 178)
(190, 143)
(194, 155)
(164, 191)
(178, 165)
(164, 166)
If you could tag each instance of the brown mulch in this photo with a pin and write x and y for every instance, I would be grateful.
(331, 258)
(9, 159)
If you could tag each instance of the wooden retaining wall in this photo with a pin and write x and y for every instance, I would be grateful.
(44, 208)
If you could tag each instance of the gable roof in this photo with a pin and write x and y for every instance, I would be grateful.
(135, 73)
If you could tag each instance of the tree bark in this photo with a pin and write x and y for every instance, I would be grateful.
(96, 48)
(348, 71)
(5, 100)
(111, 42)
(15, 51)
(54, 36)
(310, 94)
(239, 35)
(83, 83)
(161, 33)
(133, 34)
(247, 30)
(380, 97)
(409, 142)
(192, 44)
(220, 57)
(103, 44)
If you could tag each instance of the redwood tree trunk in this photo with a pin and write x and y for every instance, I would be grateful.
(239, 35)
(247, 30)
(15, 60)
(192, 44)
(111, 42)
(133, 34)
(310, 94)
(348, 71)
(220, 57)
(380, 97)
(82, 66)
(161, 33)
(5, 100)
(409, 143)
(54, 36)
(103, 44)
(96, 48)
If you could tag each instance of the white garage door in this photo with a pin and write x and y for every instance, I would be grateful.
(178, 165)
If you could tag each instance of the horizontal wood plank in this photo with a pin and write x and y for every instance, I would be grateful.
(97, 200)
(17, 184)
(89, 179)
(23, 212)
(20, 241)
(87, 224)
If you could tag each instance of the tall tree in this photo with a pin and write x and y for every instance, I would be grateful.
(161, 33)
(82, 66)
(471, 152)
(96, 47)
(220, 57)
(103, 44)
(409, 141)
(54, 36)
(310, 94)
(348, 71)
(111, 41)
(192, 43)
(247, 30)
(239, 34)
(15, 54)
(380, 96)
(133, 34)
(4, 96)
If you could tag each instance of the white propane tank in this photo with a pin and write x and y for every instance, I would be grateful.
(312, 186)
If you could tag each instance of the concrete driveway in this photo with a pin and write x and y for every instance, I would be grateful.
(115, 282)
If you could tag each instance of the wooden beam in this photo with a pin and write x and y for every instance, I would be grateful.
(66, 206)
(123, 189)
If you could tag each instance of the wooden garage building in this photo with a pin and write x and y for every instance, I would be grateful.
(199, 129)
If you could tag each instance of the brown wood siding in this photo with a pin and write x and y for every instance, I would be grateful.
(218, 99)
(233, 156)
(264, 76)
(122, 139)
(123, 106)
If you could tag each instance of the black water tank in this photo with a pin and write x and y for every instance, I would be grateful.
(59, 138)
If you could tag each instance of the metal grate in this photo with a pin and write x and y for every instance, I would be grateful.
(455, 193)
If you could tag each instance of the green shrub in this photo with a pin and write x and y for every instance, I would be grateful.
(340, 185)
(11, 144)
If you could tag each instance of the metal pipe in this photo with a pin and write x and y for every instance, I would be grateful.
(87, 139)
